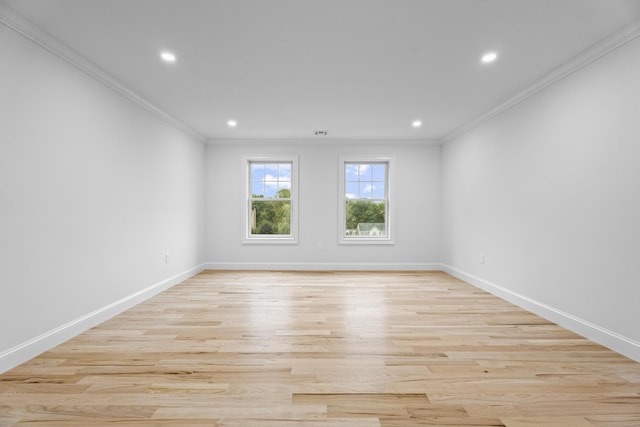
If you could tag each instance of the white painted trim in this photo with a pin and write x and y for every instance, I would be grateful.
(28, 30)
(599, 334)
(29, 349)
(324, 266)
(324, 141)
(245, 181)
(390, 180)
(604, 47)
(33, 347)
(33, 33)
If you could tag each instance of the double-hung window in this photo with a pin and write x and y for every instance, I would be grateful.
(365, 205)
(270, 201)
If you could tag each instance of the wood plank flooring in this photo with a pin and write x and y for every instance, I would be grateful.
(311, 349)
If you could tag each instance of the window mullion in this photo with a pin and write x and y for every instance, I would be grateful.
(270, 218)
(365, 214)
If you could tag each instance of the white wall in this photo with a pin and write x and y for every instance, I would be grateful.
(94, 190)
(549, 191)
(417, 198)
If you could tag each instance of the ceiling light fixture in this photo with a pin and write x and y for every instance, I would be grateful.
(232, 123)
(416, 123)
(168, 56)
(489, 57)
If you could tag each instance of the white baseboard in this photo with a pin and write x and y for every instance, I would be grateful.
(23, 352)
(27, 350)
(607, 338)
(324, 266)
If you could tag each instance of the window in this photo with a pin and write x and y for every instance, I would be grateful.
(365, 204)
(270, 202)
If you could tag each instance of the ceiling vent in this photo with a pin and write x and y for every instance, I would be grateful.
(321, 133)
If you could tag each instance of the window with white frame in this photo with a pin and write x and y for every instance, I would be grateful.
(365, 214)
(270, 202)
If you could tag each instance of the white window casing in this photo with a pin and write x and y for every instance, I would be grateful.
(272, 185)
(364, 192)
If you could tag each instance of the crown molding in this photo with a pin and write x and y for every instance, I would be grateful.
(325, 142)
(27, 29)
(595, 52)
(30, 31)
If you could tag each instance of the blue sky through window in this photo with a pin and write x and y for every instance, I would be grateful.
(269, 178)
(365, 180)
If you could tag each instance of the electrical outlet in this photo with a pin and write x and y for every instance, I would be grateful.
(166, 258)
(320, 246)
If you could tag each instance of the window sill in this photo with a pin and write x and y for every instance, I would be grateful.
(270, 241)
(365, 241)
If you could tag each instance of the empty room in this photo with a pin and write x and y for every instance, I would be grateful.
(354, 213)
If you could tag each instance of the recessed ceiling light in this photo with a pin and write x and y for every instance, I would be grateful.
(232, 123)
(416, 123)
(168, 56)
(489, 57)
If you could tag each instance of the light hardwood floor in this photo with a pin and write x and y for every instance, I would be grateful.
(349, 349)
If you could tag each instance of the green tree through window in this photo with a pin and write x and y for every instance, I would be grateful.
(365, 199)
(270, 204)
(271, 216)
(364, 212)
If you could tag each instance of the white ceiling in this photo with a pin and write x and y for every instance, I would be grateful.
(356, 68)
